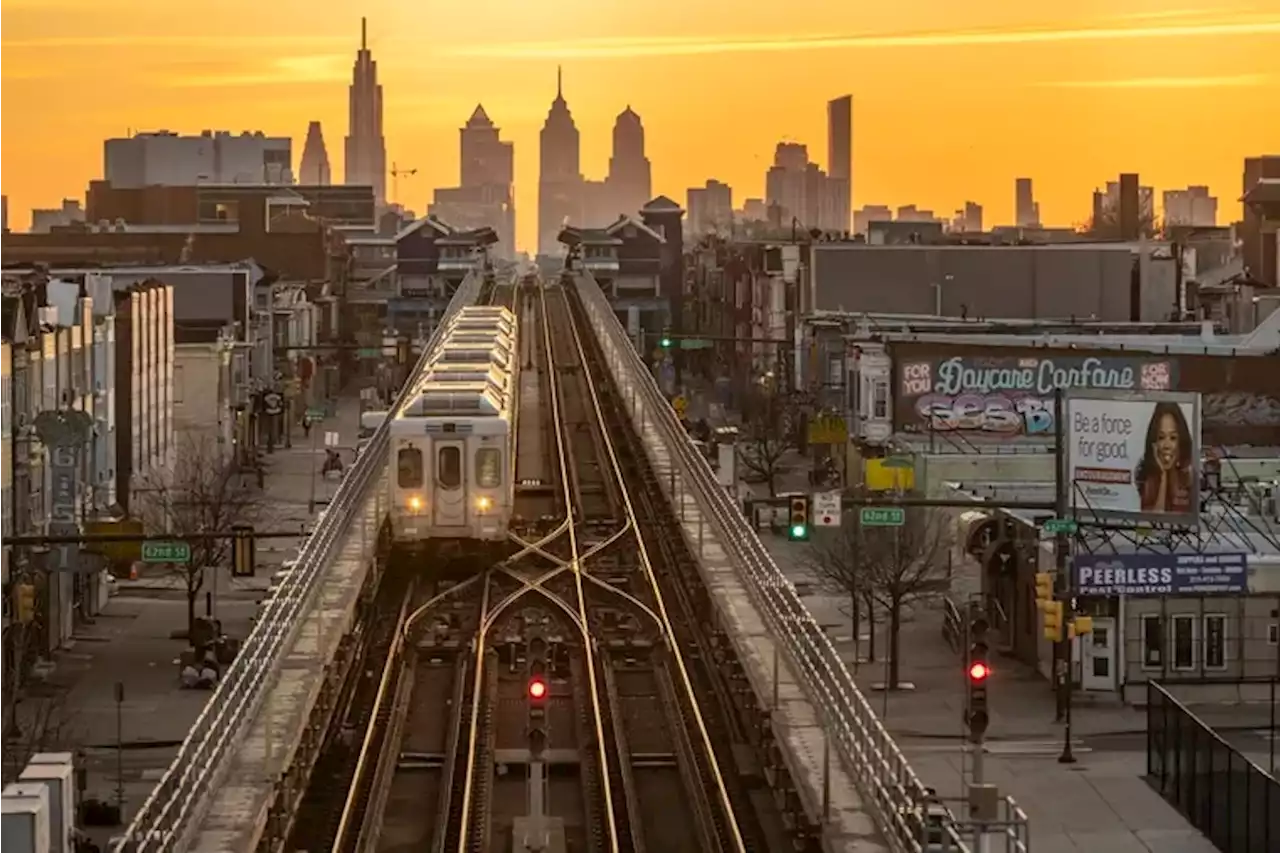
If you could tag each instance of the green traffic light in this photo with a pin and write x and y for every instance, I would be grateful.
(799, 531)
(666, 342)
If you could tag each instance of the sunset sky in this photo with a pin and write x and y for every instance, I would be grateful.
(951, 101)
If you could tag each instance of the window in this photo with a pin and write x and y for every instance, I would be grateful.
(1215, 641)
(880, 399)
(409, 468)
(1152, 641)
(489, 467)
(449, 467)
(1183, 640)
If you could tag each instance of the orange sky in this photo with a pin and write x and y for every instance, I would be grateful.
(952, 101)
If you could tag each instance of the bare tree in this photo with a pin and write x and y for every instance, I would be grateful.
(888, 567)
(203, 493)
(766, 433)
(1107, 225)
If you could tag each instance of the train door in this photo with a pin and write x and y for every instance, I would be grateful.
(451, 484)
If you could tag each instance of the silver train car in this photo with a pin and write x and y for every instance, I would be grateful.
(452, 443)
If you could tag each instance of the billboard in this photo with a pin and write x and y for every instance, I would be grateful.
(1133, 455)
(1006, 397)
(1160, 574)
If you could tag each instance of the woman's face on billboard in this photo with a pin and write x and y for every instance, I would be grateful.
(1167, 443)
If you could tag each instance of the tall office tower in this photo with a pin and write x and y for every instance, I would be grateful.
(484, 198)
(840, 160)
(314, 166)
(1026, 211)
(365, 148)
(629, 180)
(559, 173)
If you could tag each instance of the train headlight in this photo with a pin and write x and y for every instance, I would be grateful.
(415, 504)
(483, 504)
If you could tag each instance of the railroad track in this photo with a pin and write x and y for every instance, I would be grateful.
(637, 720)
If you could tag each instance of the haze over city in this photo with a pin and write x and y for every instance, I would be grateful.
(950, 104)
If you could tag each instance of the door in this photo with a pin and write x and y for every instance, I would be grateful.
(451, 485)
(1098, 656)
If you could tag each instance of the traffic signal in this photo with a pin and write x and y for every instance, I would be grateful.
(243, 554)
(1044, 588)
(24, 603)
(977, 674)
(665, 343)
(799, 528)
(1053, 622)
(537, 692)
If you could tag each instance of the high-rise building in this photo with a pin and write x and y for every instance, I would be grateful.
(1192, 206)
(1124, 209)
(314, 166)
(840, 158)
(164, 158)
(968, 219)
(1026, 209)
(484, 198)
(559, 173)
(1261, 249)
(629, 180)
(710, 208)
(365, 148)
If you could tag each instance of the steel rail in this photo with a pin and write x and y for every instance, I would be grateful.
(473, 731)
(867, 752)
(369, 746)
(178, 799)
(562, 451)
(646, 566)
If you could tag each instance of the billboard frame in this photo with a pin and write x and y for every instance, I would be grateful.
(1083, 511)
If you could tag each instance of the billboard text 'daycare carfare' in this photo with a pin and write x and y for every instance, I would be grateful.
(1134, 455)
(1007, 397)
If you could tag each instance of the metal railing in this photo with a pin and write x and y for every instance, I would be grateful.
(177, 801)
(887, 783)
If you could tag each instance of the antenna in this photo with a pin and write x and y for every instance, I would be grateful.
(396, 172)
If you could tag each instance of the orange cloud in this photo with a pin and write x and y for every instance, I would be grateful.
(1236, 81)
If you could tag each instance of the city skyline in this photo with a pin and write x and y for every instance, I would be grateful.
(1108, 114)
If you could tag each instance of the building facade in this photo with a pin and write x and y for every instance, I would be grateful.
(710, 209)
(164, 158)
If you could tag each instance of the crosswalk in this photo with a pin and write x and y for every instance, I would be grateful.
(1002, 748)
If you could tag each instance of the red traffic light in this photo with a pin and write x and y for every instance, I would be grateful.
(979, 671)
(537, 689)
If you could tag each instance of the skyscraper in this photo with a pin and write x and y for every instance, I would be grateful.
(840, 159)
(314, 166)
(365, 148)
(559, 173)
(630, 182)
(484, 197)
(1026, 211)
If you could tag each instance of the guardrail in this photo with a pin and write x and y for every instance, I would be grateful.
(203, 758)
(894, 794)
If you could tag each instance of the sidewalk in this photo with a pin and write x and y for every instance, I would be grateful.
(1100, 804)
(130, 643)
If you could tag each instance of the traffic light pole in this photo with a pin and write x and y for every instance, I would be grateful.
(1062, 498)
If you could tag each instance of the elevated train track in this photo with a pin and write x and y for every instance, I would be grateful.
(650, 737)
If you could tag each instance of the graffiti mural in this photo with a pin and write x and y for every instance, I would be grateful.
(1012, 396)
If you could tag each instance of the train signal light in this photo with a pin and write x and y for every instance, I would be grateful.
(979, 672)
(243, 552)
(799, 528)
(537, 689)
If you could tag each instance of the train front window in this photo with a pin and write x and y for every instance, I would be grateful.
(449, 467)
(489, 467)
(409, 468)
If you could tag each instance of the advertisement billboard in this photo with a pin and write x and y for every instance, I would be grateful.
(1133, 455)
(1160, 574)
(1012, 397)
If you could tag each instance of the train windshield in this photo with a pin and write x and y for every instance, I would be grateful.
(449, 469)
(489, 467)
(409, 468)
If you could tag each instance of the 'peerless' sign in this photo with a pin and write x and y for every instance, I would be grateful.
(1011, 396)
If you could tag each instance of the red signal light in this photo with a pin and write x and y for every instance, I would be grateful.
(979, 672)
(537, 689)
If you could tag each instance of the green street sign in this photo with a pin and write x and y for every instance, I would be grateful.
(695, 343)
(883, 516)
(314, 415)
(166, 552)
(1061, 525)
(371, 353)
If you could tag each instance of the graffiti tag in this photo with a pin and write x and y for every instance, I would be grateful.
(999, 414)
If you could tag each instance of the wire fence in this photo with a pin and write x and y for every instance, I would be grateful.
(1225, 795)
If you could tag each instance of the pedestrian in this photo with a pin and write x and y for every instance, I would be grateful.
(306, 427)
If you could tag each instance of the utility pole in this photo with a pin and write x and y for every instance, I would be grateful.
(1062, 499)
(396, 172)
(64, 432)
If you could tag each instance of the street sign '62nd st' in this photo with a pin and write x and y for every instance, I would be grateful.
(166, 552)
(882, 516)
